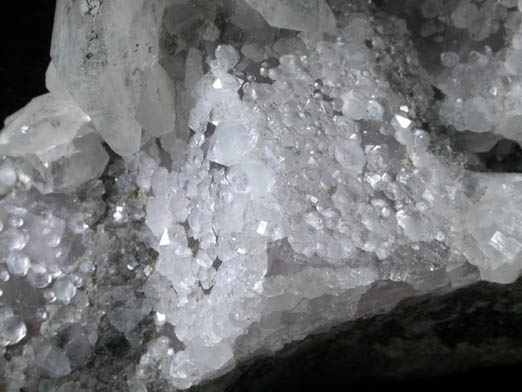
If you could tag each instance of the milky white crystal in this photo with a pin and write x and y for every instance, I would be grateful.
(61, 147)
(156, 112)
(43, 124)
(232, 140)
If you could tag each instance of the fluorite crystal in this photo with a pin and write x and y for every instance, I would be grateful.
(273, 161)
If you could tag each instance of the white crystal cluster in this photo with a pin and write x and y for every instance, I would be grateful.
(275, 158)
(338, 173)
(39, 248)
(482, 84)
(105, 53)
(60, 147)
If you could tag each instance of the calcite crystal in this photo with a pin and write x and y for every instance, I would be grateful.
(104, 52)
(272, 162)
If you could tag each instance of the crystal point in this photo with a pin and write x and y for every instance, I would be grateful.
(301, 15)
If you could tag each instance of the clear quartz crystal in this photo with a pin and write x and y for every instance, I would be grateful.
(18, 263)
(109, 91)
(231, 141)
(38, 276)
(301, 15)
(12, 328)
(64, 290)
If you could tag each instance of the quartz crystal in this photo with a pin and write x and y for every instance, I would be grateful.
(104, 53)
(12, 328)
(45, 123)
(61, 148)
(300, 15)
(271, 162)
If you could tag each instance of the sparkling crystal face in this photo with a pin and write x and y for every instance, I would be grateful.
(272, 162)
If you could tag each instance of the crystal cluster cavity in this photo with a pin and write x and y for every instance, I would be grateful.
(210, 180)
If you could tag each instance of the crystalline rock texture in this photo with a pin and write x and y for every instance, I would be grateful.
(272, 160)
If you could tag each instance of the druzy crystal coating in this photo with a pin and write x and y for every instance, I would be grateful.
(271, 162)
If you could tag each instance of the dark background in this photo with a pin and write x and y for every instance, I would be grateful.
(25, 37)
(360, 354)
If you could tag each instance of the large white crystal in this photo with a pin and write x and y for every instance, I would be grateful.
(43, 124)
(156, 111)
(62, 149)
(476, 98)
(103, 55)
(494, 222)
(66, 167)
(232, 140)
(301, 15)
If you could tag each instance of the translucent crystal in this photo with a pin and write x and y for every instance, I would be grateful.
(514, 62)
(350, 155)
(43, 124)
(8, 177)
(12, 329)
(75, 343)
(50, 358)
(252, 177)
(129, 310)
(4, 275)
(18, 263)
(41, 314)
(38, 276)
(227, 56)
(99, 56)
(13, 240)
(231, 141)
(156, 111)
(465, 14)
(508, 246)
(62, 169)
(307, 15)
(64, 290)
(355, 105)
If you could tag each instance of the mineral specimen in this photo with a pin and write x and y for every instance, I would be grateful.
(274, 161)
